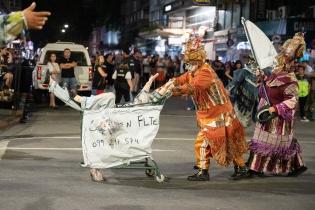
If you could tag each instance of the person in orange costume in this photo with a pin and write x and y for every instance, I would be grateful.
(221, 134)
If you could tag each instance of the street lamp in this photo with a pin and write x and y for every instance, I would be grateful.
(66, 26)
(63, 30)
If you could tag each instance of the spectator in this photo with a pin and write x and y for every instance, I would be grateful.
(170, 70)
(137, 71)
(54, 71)
(304, 88)
(312, 95)
(218, 67)
(25, 90)
(67, 65)
(93, 58)
(160, 68)
(228, 72)
(310, 75)
(110, 69)
(123, 78)
(7, 66)
(238, 65)
(182, 64)
(99, 77)
(146, 68)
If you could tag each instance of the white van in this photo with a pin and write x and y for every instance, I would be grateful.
(83, 71)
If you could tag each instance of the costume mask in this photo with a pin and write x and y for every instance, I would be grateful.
(292, 49)
(194, 55)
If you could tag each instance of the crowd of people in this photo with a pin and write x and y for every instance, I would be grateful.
(125, 73)
(139, 67)
(7, 68)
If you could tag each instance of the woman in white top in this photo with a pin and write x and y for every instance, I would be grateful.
(54, 71)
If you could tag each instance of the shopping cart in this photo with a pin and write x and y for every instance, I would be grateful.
(117, 136)
(121, 137)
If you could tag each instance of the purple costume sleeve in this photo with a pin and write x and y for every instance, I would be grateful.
(285, 109)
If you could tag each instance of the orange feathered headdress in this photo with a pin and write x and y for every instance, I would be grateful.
(194, 52)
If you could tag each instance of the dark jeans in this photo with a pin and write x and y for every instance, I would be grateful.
(302, 103)
(122, 92)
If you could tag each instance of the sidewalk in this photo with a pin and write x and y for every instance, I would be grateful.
(8, 118)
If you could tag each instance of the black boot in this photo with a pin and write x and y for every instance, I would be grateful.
(236, 171)
(241, 173)
(255, 173)
(201, 175)
(297, 172)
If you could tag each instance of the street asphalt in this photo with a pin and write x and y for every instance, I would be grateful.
(40, 169)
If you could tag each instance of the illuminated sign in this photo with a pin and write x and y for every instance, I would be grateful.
(175, 40)
(202, 2)
(173, 6)
(168, 8)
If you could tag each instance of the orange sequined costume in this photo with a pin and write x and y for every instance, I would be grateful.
(221, 135)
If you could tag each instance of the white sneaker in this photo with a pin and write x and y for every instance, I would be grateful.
(304, 119)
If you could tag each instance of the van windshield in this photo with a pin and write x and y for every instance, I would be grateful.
(79, 57)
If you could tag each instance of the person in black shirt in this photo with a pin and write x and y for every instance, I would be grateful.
(137, 72)
(123, 77)
(67, 65)
(100, 76)
(110, 69)
(218, 67)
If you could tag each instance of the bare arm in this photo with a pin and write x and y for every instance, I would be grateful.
(130, 83)
(227, 74)
(128, 77)
(101, 71)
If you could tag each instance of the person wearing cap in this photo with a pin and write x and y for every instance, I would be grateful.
(122, 78)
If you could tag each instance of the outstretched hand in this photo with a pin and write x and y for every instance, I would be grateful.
(147, 85)
(167, 87)
(35, 20)
(153, 77)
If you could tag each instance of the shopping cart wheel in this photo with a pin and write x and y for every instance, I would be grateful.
(160, 179)
(149, 172)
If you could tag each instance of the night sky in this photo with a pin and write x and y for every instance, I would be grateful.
(81, 15)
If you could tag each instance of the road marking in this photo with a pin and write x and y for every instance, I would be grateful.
(3, 148)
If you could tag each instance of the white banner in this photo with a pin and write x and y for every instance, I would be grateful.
(262, 48)
(115, 136)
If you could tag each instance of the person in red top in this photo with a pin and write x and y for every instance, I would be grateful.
(221, 135)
